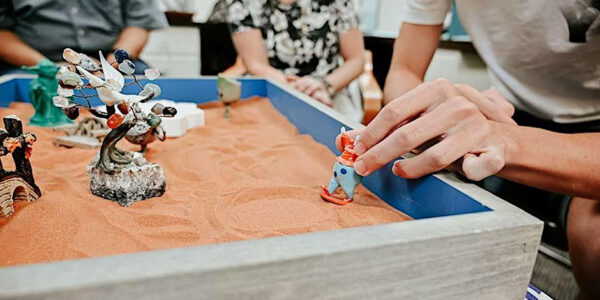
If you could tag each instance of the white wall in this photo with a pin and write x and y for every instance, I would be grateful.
(175, 51)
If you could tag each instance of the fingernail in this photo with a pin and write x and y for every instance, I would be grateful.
(360, 167)
(359, 148)
(395, 170)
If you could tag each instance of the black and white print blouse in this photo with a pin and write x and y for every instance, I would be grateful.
(301, 38)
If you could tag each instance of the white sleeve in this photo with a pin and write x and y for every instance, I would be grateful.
(425, 12)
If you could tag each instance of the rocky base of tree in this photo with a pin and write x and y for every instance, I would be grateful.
(136, 181)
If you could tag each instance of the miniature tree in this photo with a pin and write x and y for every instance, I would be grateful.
(109, 92)
(106, 178)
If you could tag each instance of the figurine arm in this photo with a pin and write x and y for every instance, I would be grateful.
(333, 185)
(16, 52)
(36, 90)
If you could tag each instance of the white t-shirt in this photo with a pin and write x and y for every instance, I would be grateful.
(543, 55)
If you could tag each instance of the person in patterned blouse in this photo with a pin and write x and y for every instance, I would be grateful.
(314, 45)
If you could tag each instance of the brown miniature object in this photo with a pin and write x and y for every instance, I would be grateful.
(18, 184)
(87, 134)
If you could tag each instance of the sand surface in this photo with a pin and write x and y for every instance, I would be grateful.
(249, 177)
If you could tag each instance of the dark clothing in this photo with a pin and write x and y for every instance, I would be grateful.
(86, 26)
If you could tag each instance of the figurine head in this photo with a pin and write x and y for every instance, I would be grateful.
(44, 68)
(229, 89)
(348, 156)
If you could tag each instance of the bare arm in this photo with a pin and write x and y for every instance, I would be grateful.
(16, 52)
(562, 163)
(132, 39)
(413, 50)
(352, 49)
(249, 45)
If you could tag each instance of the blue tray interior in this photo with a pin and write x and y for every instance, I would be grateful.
(422, 198)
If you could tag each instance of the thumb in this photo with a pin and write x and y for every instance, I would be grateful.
(477, 166)
(352, 134)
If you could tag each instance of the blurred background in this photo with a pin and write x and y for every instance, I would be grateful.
(198, 43)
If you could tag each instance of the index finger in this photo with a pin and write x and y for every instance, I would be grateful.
(403, 108)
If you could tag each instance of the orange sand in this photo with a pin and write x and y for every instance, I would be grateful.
(249, 177)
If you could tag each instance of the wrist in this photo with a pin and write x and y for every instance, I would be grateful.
(508, 137)
(326, 84)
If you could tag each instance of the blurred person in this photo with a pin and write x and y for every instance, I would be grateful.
(315, 46)
(543, 57)
(33, 30)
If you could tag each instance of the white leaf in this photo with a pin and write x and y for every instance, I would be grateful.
(62, 102)
(65, 92)
(95, 82)
(114, 79)
(152, 74)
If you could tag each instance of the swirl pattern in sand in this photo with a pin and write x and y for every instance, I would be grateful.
(248, 177)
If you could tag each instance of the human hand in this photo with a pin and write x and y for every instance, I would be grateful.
(451, 118)
(110, 58)
(306, 84)
(323, 97)
(490, 102)
(312, 87)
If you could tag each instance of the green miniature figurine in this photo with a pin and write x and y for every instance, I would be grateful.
(41, 92)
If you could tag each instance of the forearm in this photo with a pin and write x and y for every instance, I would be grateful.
(345, 74)
(562, 163)
(413, 51)
(133, 40)
(398, 82)
(262, 69)
(16, 52)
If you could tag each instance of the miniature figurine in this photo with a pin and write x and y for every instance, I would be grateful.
(41, 91)
(230, 91)
(86, 134)
(144, 133)
(114, 174)
(18, 184)
(344, 175)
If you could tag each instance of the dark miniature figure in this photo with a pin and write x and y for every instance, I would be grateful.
(18, 184)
